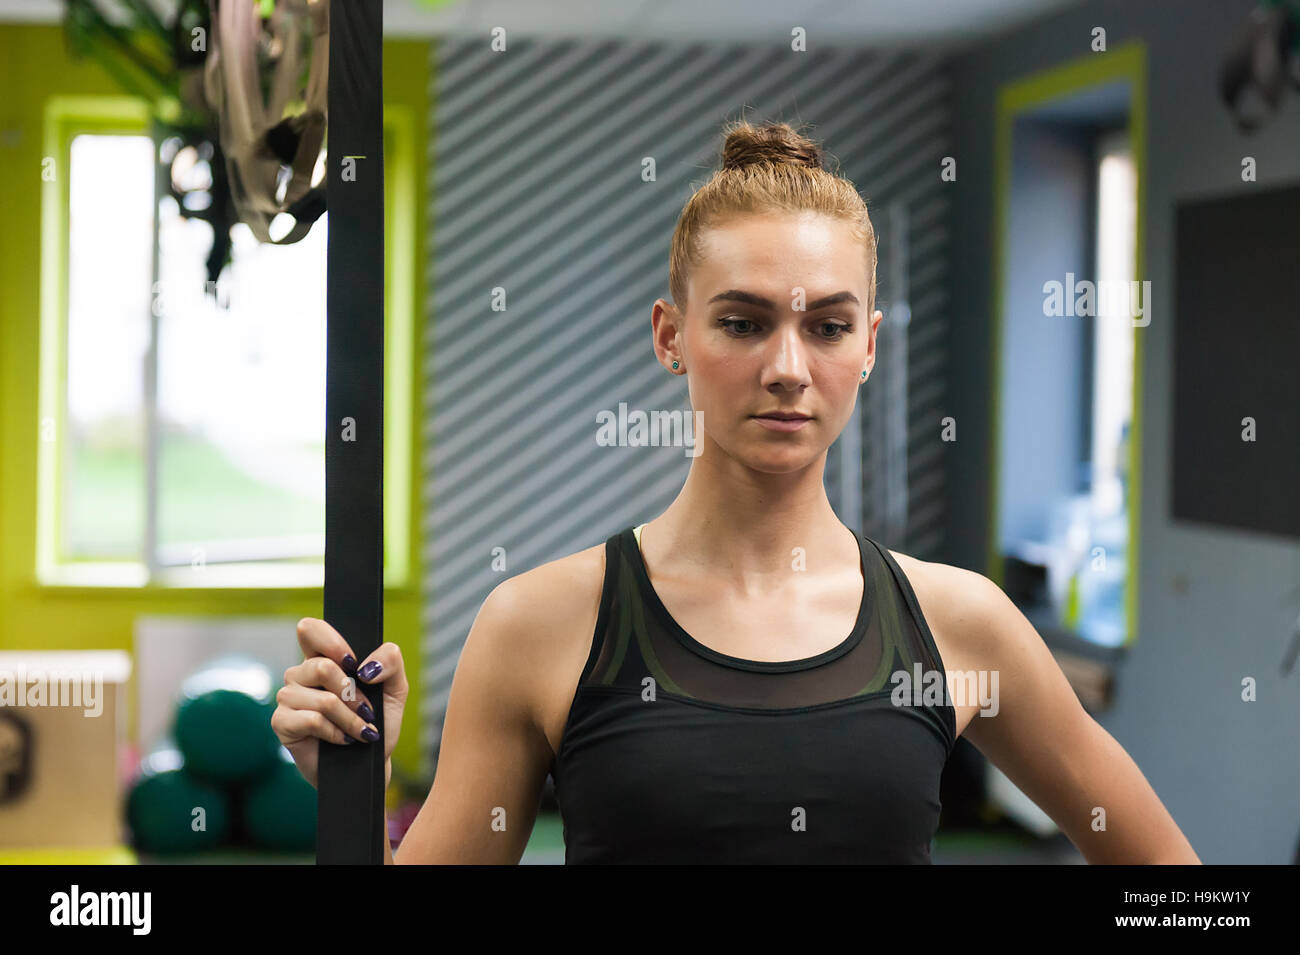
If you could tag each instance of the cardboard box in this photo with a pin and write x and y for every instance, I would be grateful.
(62, 721)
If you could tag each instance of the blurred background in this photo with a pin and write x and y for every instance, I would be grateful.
(1089, 222)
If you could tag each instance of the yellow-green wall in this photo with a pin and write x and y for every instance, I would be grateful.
(34, 65)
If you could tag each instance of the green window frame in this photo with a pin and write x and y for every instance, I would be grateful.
(67, 117)
(1124, 62)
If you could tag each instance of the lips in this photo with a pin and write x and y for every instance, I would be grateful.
(785, 416)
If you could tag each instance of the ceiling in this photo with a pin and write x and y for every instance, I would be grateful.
(863, 23)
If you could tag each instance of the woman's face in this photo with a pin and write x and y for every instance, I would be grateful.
(775, 321)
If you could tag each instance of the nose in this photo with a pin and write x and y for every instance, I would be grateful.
(785, 363)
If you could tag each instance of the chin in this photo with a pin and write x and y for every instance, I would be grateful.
(779, 460)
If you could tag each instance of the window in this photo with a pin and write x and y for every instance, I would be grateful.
(1101, 598)
(189, 448)
(1070, 310)
(110, 237)
(239, 400)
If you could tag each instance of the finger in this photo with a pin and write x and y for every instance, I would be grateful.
(384, 666)
(295, 697)
(294, 726)
(319, 673)
(322, 673)
(318, 638)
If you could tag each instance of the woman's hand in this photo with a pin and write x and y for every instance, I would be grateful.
(319, 699)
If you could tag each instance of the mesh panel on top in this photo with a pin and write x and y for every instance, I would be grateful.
(640, 639)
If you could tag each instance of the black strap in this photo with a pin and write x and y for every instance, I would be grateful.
(350, 787)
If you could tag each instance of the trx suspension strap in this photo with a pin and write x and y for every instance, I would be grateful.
(350, 786)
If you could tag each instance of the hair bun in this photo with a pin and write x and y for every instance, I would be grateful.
(774, 143)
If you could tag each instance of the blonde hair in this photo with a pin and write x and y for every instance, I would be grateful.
(767, 169)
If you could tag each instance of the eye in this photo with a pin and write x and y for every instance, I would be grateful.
(838, 330)
(731, 323)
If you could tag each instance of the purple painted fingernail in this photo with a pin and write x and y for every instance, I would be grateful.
(370, 670)
(349, 664)
(366, 713)
(369, 735)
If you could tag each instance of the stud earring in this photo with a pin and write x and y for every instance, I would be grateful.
(674, 366)
(864, 374)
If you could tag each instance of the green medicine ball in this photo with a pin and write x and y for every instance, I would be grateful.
(279, 809)
(223, 722)
(170, 811)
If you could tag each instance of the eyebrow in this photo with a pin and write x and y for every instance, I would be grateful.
(736, 295)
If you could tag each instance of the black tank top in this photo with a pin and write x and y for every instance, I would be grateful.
(675, 753)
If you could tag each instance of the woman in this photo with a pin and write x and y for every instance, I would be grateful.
(688, 682)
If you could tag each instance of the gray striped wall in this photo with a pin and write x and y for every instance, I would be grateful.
(535, 187)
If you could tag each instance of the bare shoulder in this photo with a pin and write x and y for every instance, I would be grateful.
(550, 602)
(960, 606)
(542, 623)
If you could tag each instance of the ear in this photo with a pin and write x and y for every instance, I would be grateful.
(666, 329)
(871, 343)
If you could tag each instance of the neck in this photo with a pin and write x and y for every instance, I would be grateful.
(732, 521)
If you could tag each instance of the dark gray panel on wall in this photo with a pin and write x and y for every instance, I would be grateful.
(536, 190)
(1235, 343)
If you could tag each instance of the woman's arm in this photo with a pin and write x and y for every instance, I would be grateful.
(494, 758)
(1046, 743)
